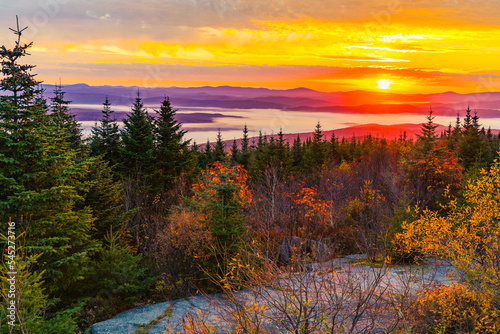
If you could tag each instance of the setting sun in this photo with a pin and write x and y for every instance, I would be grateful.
(384, 84)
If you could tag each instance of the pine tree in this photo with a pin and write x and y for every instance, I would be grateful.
(297, 154)
(137, 169)
(63, 119)
(316, 151)
(274, 153)
(105, 197)
(433, 171)
(244, 156)
(282, 151)
(137, 154)
(172, 155)
(199, 158)
(458, 127)
(472, 149)
(261, 156)
(219, 149)
(42, 183)
(353, 151)
(234, 153)
(427, 140)
(208, 155)
(105, 139)
(334, 149)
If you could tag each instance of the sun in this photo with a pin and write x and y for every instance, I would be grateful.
(384, 84)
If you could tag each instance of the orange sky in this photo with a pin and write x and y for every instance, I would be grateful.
(416, 46)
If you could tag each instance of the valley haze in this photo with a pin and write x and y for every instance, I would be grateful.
(205, 110)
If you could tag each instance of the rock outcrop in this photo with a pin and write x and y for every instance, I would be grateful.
(303, 250)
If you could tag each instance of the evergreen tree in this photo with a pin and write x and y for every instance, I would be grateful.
(281, 150)
(275, 153)
(63, 119)
(244, 156)
(105, 139)
(458, 127)
(197, 156)
(353, 151)
(208, 155)
(260, 156)
(137, 154)
(427, 140)
(432, 171)
(472, 149)
(172, 155)
(221, 196)
(137, 169)
(297, 154)
(316, 151)
(105, 197)
(334, 149)
(41, 180)
(219, 149)
(234, 153)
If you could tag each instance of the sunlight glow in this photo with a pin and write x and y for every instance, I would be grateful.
(287, 53)
(384, 84)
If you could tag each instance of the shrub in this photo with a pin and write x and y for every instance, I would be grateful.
(453, 310)
(180, 251)
(468, 236)
(116, 281)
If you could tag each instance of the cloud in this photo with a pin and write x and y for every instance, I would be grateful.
(270, 42)
(91, 14)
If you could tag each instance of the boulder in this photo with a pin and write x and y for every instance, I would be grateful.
(318, 251)
(130, 321)
(303, 250)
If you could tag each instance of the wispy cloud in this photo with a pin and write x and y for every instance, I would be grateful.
(424, 44)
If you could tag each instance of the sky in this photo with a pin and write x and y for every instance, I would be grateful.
(403, 46)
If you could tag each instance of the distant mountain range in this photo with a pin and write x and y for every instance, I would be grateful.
(86, 101)
(298, 99)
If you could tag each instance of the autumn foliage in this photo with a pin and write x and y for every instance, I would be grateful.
(183, 216)
(455, 309)
(468, 236)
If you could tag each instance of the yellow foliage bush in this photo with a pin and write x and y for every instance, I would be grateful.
(468, 236)
(453, 310)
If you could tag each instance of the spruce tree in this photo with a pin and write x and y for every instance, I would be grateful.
(334, 149)
(472, 149)
(316, 150)
(172, 155)
(137, 154)
(42, 182)
(208, 155)
(297, 154)
(261, 156)
(244, 156)
(105, 139)
(283, 151)
(427, 140)
(63, 119)
(219, 149)
(432, 169)
(234, 153)
(137, 169)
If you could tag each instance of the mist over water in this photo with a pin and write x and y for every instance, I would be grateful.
(269, 121)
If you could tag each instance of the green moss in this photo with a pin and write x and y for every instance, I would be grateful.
(144, 329)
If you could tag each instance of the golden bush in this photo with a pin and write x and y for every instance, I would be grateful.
(455, 309)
